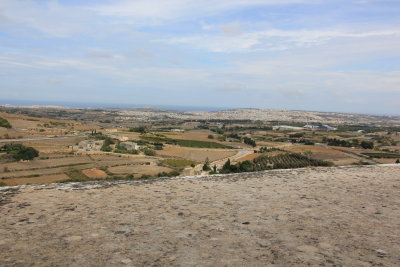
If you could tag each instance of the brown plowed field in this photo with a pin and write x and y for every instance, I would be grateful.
(95, 173)
(45, 179)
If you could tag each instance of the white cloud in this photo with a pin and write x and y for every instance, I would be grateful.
(274, 39)
(48, 17)
(103, 48)
(159, 10)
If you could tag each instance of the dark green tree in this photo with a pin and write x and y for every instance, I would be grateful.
(20, 152)
(4, 123)
(206, 166)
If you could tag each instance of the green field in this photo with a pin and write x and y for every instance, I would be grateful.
(185, 143)
(382, 155)
(178, 163)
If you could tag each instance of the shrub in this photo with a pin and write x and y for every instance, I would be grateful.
(140, 129)
(296, 135)
(206, 166)
(158, 146)
(361, 163)
(221, 138)
(217, 130)
(20, 152)
(249, 141)
(120, 149)
(367, 145)
(146, 176)
(149, 152)
(106, 147)
(4, 123)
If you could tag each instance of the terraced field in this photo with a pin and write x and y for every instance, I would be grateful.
(54, 168)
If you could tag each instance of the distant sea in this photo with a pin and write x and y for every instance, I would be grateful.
(106, 105)
(163, 107)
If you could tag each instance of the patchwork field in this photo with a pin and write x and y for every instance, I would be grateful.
(200, 135)
(248, 157)
(43, 179)
(138, 171)
(324, 153)
(195, 154)
(346, 216)
(54, 145)
(27, 122)
(95, 173)
(54, 168)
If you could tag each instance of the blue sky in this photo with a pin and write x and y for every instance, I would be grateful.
(327, 55)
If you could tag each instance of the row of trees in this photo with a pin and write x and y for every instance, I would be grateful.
(139, 129)
(282, 161)
(249, 141)
(348, 143)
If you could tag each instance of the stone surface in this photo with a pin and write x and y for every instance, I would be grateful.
(316, 217)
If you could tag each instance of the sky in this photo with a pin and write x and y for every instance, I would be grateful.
(320, 55)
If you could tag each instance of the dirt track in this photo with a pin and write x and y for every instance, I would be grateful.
(347, 216)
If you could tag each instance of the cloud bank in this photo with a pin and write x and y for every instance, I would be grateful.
(292, 54)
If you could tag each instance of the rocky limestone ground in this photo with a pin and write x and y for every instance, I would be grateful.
(344, 216)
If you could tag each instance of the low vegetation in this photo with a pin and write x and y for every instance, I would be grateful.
(382, 155)
(185, 143)
(4, 123)
(148, 151)
(366, 128)
(123, 150)
(249, 141)
(178, 163)
(348, 143)
(140, 129)
(282, 161)
(107, 141)
(76, 176)
(20, 152)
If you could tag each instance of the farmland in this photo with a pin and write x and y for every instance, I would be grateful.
(195, 154)
(174, 146)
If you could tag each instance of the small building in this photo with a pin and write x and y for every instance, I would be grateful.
(323, 127)
(89, 145)
(311, 127)
(130, 145)
(122, 138)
